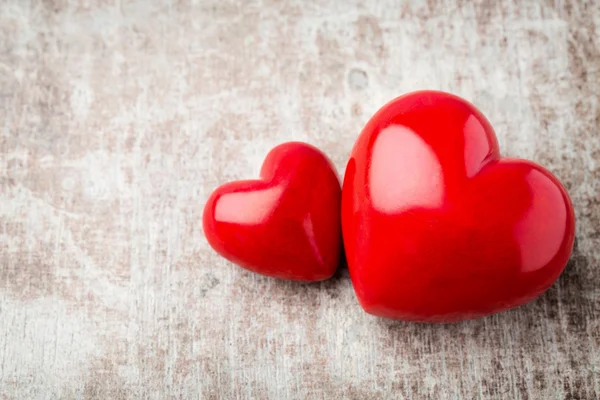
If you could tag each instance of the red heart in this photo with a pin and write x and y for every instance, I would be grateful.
(437, 226)
(286, 225)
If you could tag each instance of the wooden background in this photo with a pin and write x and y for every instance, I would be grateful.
(118, 118)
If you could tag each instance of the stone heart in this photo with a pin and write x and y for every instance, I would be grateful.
(285, 225)
(437, 226)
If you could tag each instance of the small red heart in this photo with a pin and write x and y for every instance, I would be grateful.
(437, 226)
(286, 225)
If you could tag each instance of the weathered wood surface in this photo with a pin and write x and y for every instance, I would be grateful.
(117, 119)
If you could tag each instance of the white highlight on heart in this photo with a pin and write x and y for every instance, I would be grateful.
(541, 230)
(477, 147)
(405, 172)
(309, 229)
(247, 208)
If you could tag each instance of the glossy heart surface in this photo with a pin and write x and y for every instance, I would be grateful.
(437, 226)
(285, 225)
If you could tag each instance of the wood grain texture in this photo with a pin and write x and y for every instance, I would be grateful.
(117, 119)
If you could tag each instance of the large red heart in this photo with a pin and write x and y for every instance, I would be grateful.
(437, 226)
(286, 225)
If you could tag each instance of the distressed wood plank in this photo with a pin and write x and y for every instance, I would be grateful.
(119, 117)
